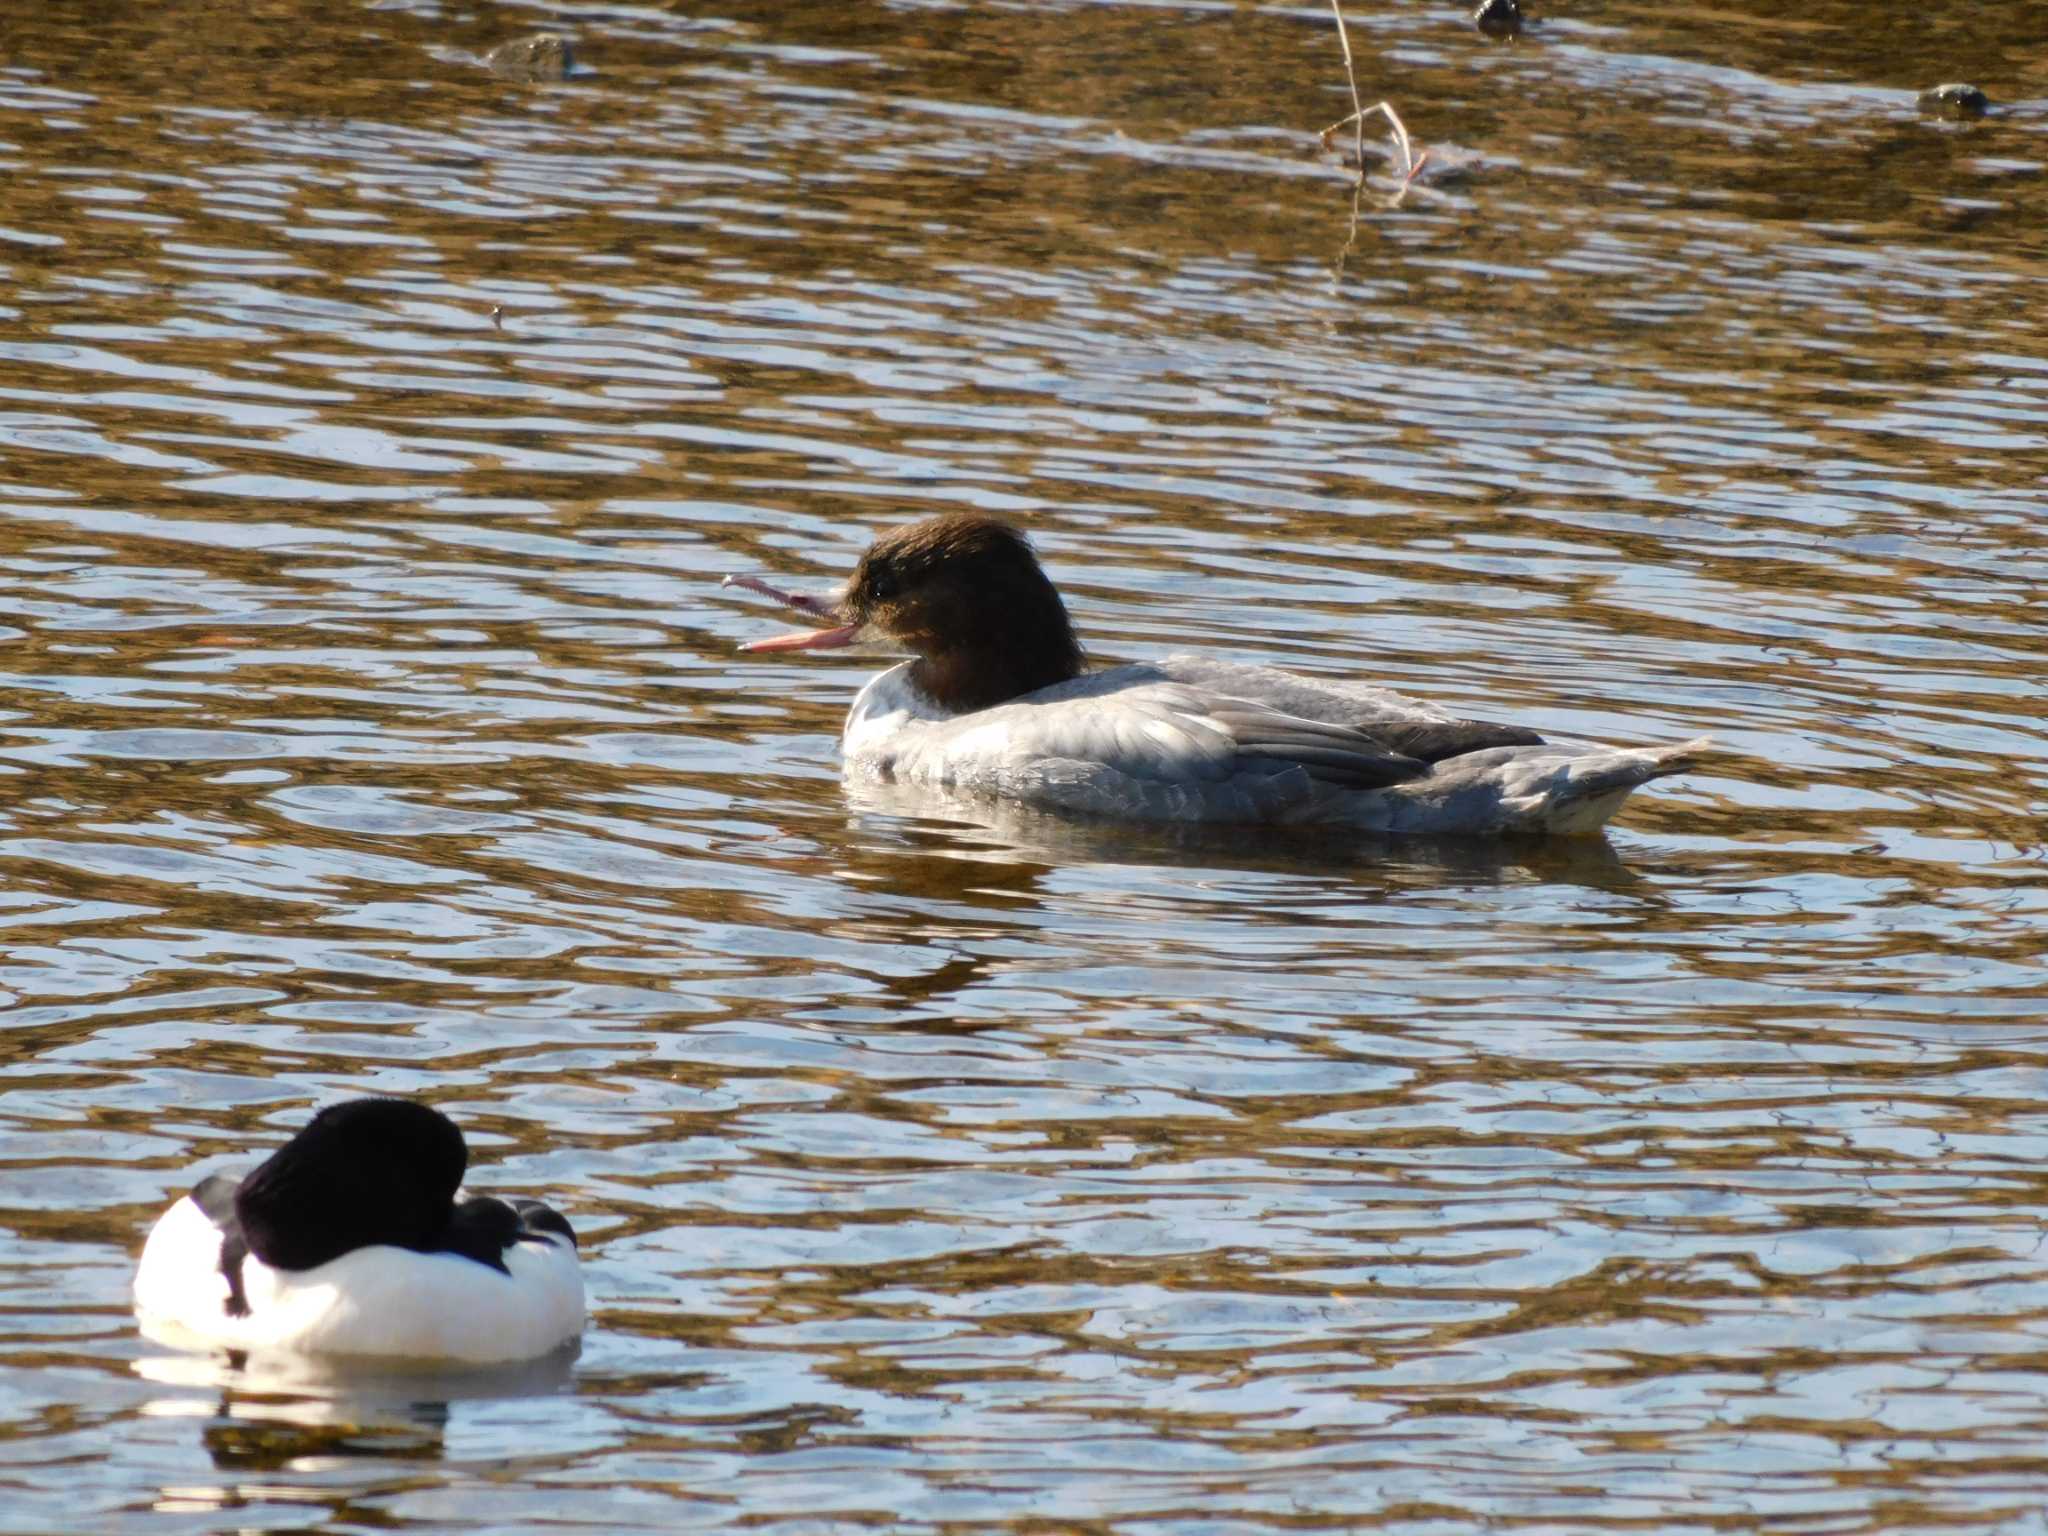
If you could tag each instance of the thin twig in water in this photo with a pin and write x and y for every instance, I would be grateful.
(1411, 163)
(1357, 118)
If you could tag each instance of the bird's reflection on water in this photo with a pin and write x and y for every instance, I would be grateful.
(281, 1413)
(983, 835)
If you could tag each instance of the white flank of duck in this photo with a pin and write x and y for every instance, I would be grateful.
(996, 700)
(350, 1241)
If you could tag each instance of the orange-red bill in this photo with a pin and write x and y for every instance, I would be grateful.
(816, 607)
(806, 640)
(803, 602)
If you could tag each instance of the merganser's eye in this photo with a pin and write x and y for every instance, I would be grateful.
(882, 586)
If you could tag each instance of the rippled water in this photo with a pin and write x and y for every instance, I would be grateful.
(374, 435)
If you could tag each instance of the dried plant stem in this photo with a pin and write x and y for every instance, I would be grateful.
(1411, 163)
(1357, 118)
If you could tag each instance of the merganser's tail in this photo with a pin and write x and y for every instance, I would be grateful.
(1566, 791)
(1576, 796)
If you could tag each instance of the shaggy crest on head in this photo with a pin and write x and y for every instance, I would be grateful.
(966, 595)
(996, 701)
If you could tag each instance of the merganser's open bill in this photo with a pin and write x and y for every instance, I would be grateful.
(997, 699)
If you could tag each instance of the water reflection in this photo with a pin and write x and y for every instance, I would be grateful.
(297, 1432)
(331, 1390)
(377, 431)
(1008, 845)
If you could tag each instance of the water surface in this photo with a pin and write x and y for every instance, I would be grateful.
(375, 433)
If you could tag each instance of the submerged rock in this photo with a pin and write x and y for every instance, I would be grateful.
(1499, 18)
(543, 56)
(1955, 100)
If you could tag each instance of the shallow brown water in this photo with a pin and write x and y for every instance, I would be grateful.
(373, 722)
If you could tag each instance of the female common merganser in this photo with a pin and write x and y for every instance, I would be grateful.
(997, 701)
(349, 1241)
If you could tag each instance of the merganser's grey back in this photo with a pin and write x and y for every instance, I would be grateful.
(1137, 743)
(997, 700)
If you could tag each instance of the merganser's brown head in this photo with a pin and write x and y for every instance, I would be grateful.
(965, 595)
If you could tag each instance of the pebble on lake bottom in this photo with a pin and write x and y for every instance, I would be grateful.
(1498, 18)
(1955, 99)
(543, 56)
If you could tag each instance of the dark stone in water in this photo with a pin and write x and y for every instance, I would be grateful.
(1955, 100)
(1498, 18)
(541, 57)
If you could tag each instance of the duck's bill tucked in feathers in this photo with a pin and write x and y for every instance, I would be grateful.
(349, 1241)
